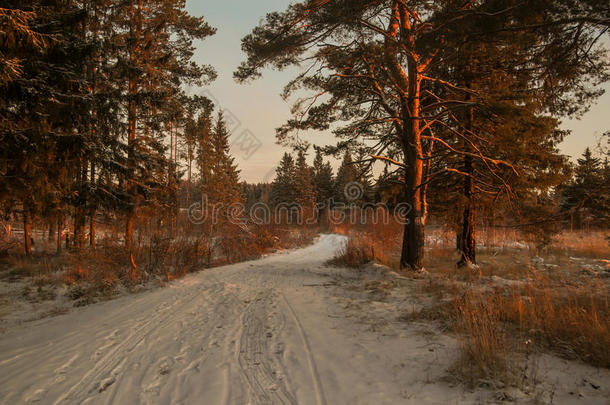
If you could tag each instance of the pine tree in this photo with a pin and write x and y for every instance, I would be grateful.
(17, 32)
(42, 109)
(205, 151)
(380, 76)
(305, 195)
(584, 195)
(364, 175)
(153, 41)
(283, 188)
(323, 181)
(225, 187)
(346, 175)
(196, 137)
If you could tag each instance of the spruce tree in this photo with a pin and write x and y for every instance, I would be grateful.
(153, 41)
(346, 175)
(283, 188)
(225, 188)
(17, 33)
(323, 181)
(205, 151)
(364, 174)
(584, 196)
(305, 194)
(43, 107)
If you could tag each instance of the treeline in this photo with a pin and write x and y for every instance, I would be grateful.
(586, 197)
(308, 186)
(576, 197)
(461, 99)
(94, 119)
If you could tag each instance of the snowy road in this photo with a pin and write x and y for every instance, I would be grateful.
(251, 333)
(270, 331)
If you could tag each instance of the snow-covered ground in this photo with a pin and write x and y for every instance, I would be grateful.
(286, 329)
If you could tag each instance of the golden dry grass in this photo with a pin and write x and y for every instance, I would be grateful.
(508, 307)
(483, 340)
(356, 252)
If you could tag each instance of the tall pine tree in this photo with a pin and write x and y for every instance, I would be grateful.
(283, 188)
(305, 195)
(323, 181)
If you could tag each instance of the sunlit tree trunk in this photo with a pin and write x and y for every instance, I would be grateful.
(412, 254)
(408, 83)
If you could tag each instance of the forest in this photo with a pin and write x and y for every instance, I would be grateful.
(424, 138)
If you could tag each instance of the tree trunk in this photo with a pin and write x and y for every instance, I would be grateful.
(170, 178)
(134, 31)
(51, 234)
(27, 242)
(188, 189)
(130, 180)
(59, 230)
(79, 215)
(129, 233)
(467, 237)
(408, 82)
(412, 254)
(92, 213)
(92, 230)
(467, 243)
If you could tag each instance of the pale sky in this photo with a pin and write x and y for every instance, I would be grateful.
(259, 109)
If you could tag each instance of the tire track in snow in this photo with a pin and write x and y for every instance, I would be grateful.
(321, 400)
(254, 356)
(208, 340)
(113, 358)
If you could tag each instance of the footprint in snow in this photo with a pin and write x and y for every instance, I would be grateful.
(36, 396)
(105, 383)
(165, 366)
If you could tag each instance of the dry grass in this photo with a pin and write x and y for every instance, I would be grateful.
(482, 337)
(500, 327)
(569, 317)
(97, 274)
(356, 253)
(593, 244)
(519, 301)
(377, 241)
